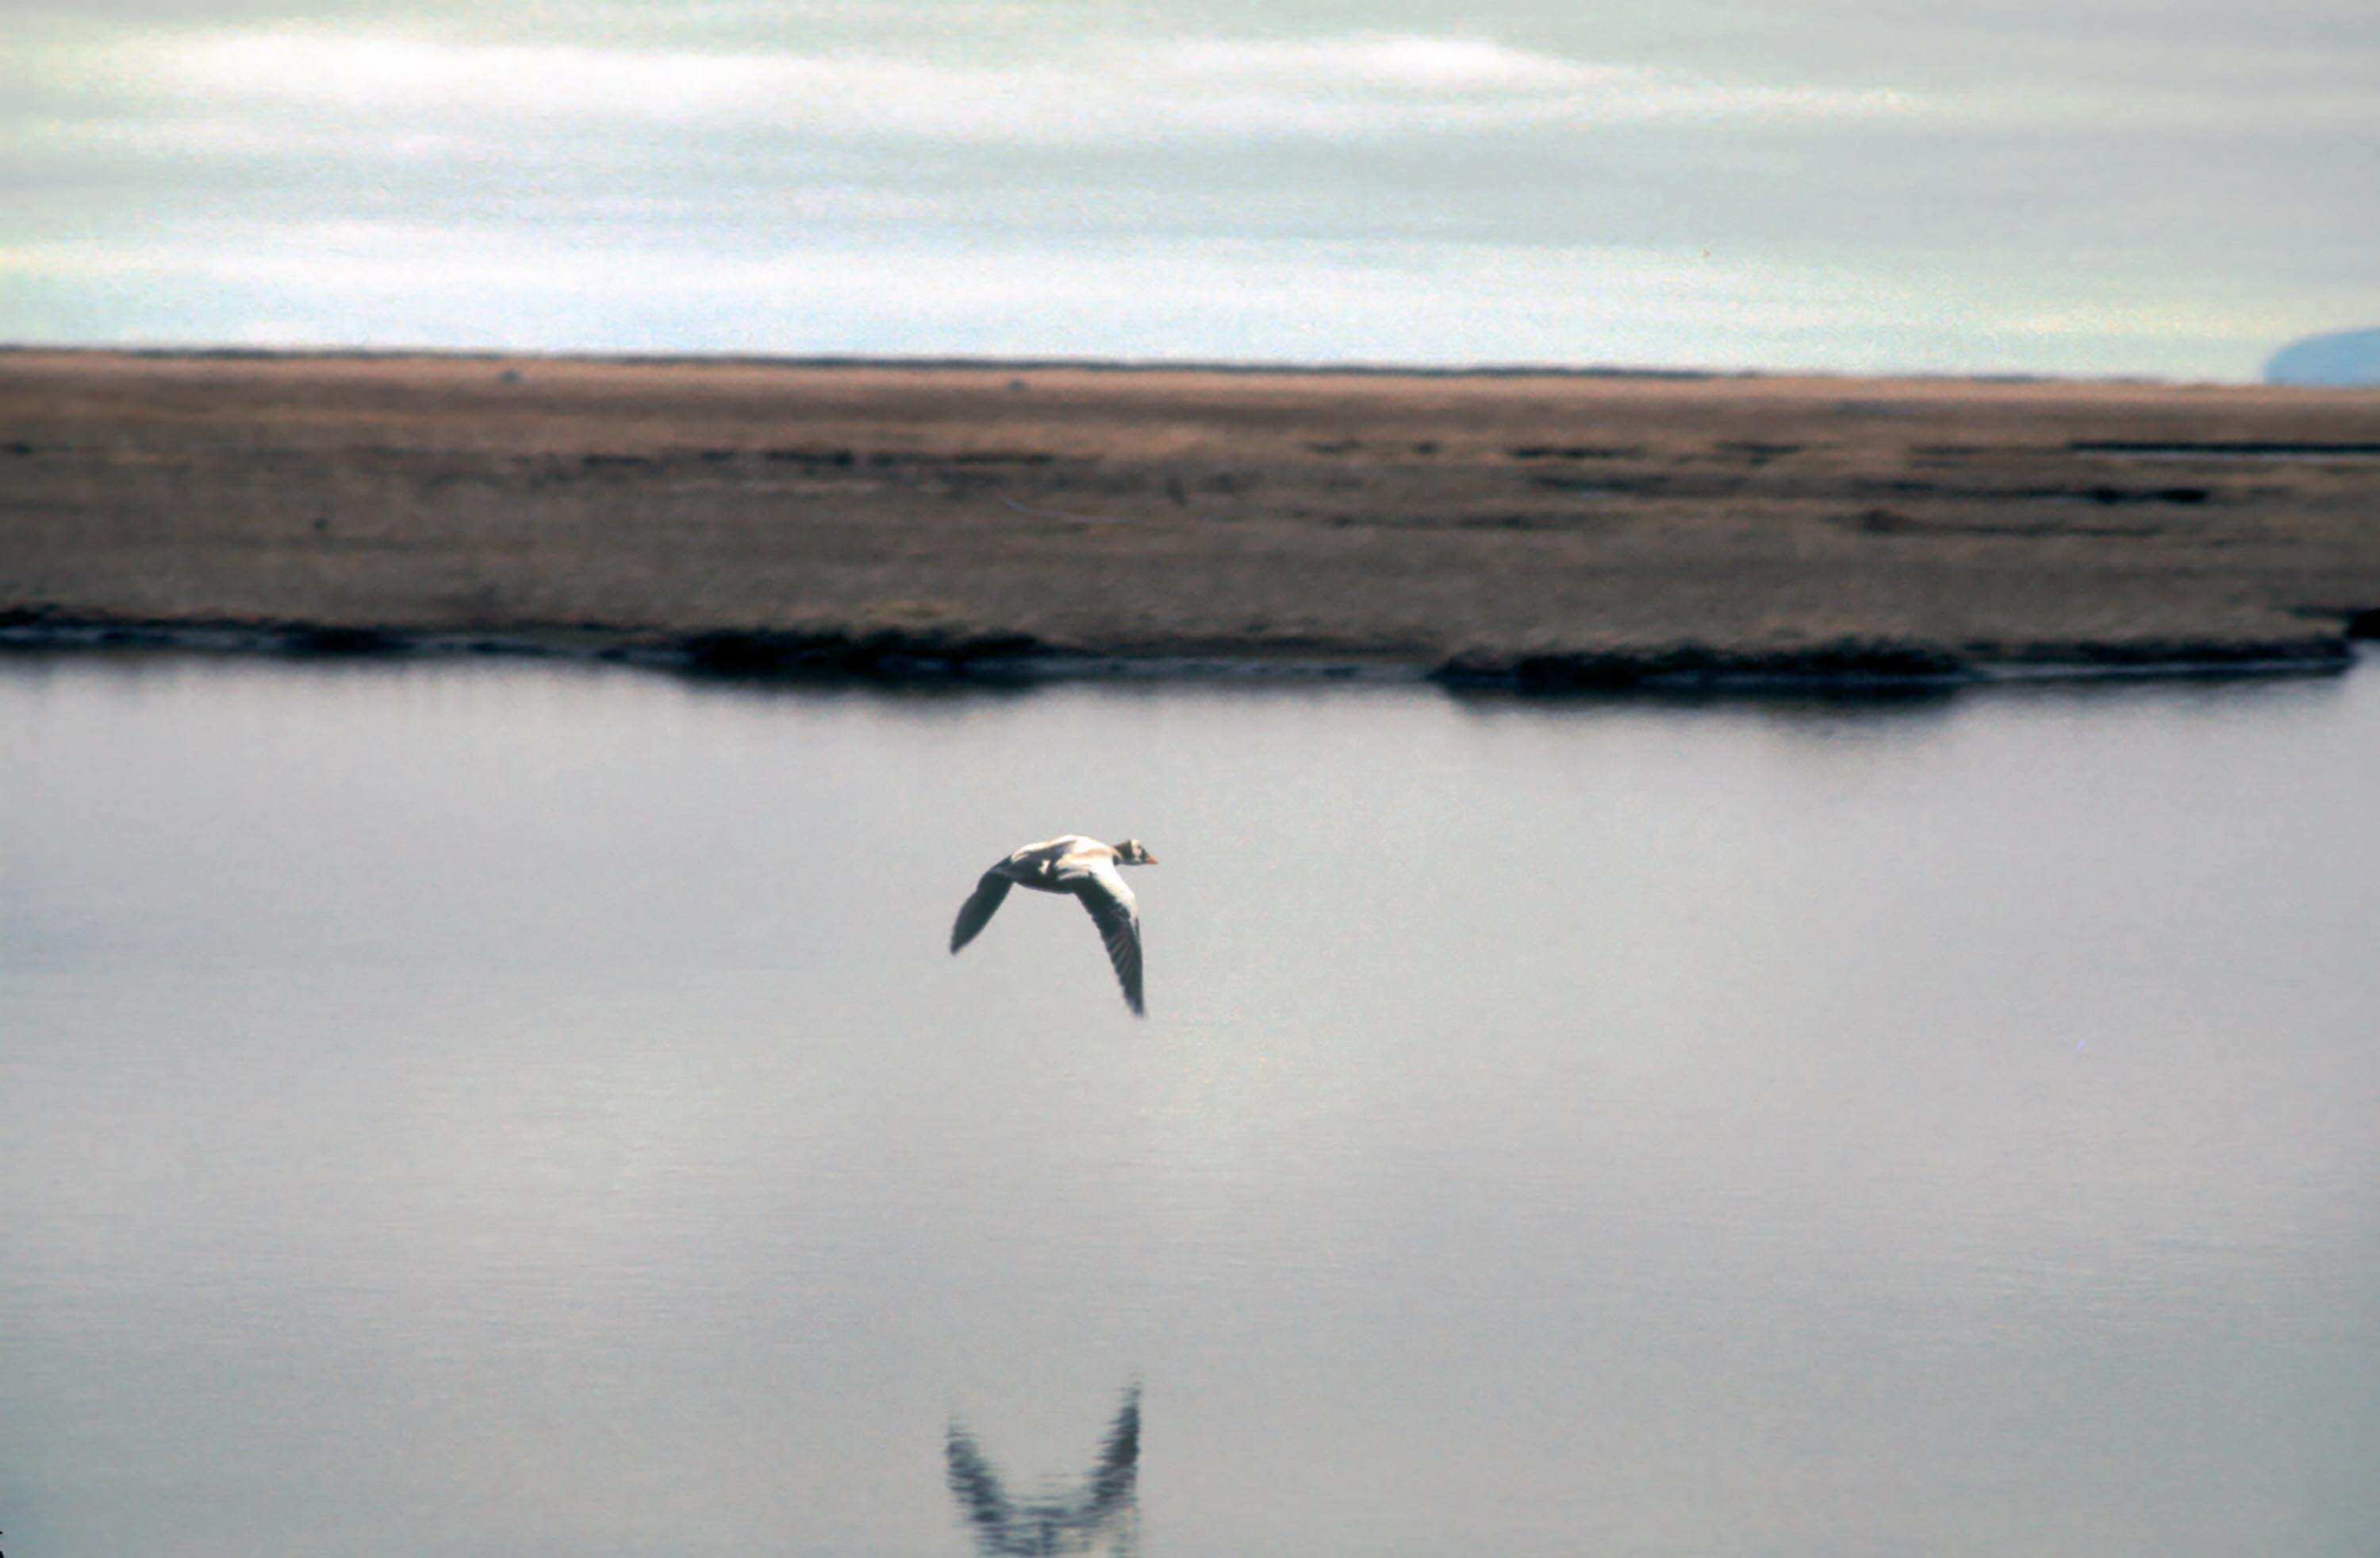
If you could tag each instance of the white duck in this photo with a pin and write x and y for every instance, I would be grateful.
(1086, 868)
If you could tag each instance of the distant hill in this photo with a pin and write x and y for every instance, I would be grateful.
(2348, 357)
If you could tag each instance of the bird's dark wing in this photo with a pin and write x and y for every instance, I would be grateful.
(1118, 917)
(1119, 1466)
(976, 1487)
(977, 912)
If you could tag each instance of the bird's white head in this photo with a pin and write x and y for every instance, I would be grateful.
(1132, 852)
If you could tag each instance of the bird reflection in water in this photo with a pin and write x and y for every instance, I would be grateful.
(1102, 1516)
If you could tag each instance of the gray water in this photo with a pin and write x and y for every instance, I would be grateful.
(510, 1109)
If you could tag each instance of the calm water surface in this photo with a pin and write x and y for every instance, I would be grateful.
(507, 1110)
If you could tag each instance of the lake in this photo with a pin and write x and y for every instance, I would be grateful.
(478, 1108)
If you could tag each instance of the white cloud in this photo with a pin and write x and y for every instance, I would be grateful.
(1161, 92)
(1403, 63)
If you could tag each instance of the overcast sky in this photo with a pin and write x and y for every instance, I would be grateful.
(2172, 188)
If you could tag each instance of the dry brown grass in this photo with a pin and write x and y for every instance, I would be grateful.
(1174, 511)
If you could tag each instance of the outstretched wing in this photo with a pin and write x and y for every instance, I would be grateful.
(977, 912)
(976, 1488)
(1119, 1467)
(1118, 917)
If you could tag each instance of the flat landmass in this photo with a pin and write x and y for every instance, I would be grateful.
(1550, 528)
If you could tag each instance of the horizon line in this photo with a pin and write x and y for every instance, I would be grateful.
(1247, 366)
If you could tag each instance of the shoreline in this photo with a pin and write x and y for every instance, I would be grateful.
(1583, 531)
(893, 656)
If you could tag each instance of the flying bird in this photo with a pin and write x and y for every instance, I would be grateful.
(1106, 1507)
(1086, 868)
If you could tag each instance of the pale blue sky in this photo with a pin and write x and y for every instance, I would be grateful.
(2171, 190)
